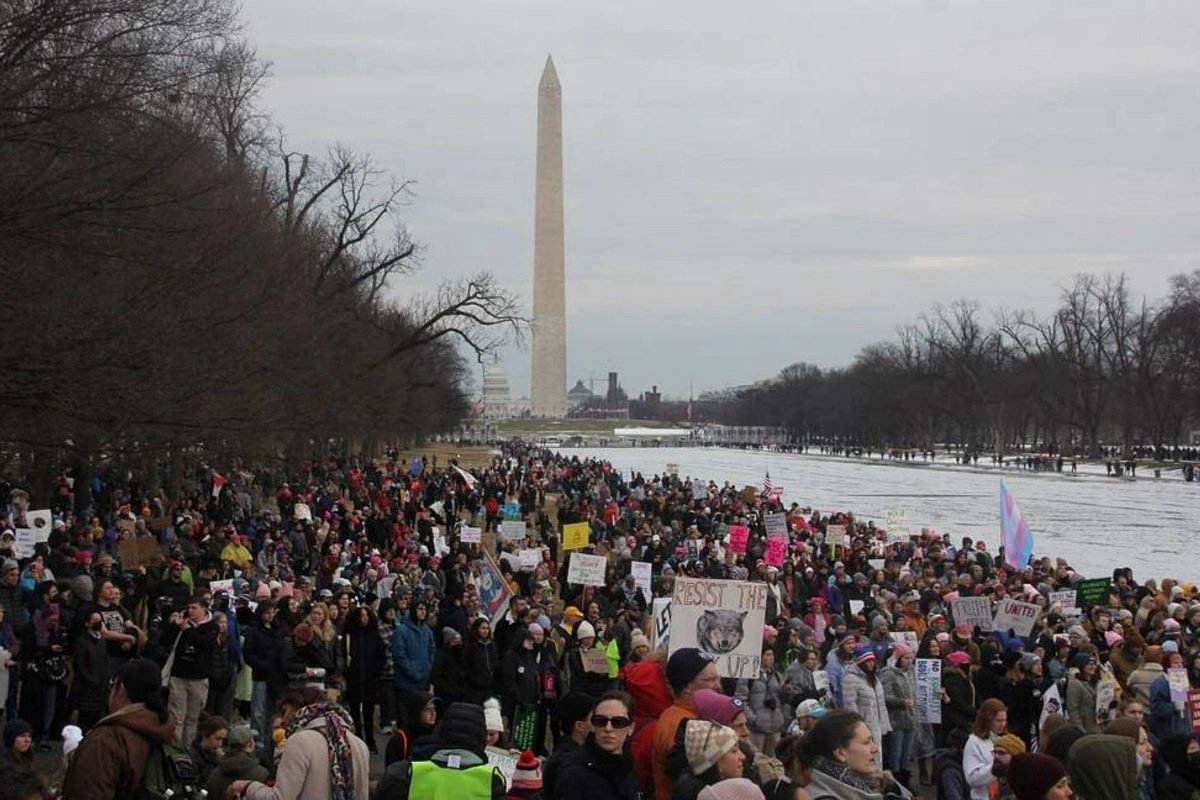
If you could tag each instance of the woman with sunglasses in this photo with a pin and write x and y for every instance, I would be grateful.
(601, 769)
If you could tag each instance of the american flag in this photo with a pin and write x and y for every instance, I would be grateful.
(770, 489)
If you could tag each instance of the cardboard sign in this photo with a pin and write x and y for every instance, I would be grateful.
(738, 536)
(776, 524)
(593, 660)
(835, 535)
(929, 687)
(724, 619)
(975, 611)
(530, 558)
(1052, 703)
(470, 535)
(642, 572)
(856, 607)
(1013, 615)
(140, 551)
(661, 612)
(672, 469)
(494, 594)
(1066, 599)
(586, 570)
(776, 551)
(41, 522)
(1106, 701)
(575, 536)
(1092, 591)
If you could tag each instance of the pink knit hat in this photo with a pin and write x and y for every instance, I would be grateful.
(716, 707)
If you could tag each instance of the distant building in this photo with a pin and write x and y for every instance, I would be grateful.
(496, 399)
(579, 396)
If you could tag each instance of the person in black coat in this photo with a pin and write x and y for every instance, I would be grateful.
(601, 770)
(89, 658)
(449, 668)
(481, 663)
(262, 651)
(365, 658)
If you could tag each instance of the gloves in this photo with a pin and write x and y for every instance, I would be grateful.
(771, 703)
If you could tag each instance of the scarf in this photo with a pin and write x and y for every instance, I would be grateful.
(843, 774)
(338, 727)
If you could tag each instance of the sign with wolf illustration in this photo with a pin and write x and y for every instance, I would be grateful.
(724, 619)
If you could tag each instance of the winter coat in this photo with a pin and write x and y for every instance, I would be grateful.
(449, 676)
(263, 651)
(835, 668)
(365, 660)
(959, 710)
(1140, 679)
(869, 701)
(900, 691)
(589, 773)
(520, 681)
(236, 766)
(296, 659)
(1081, 704)
(825, 786)
(193, 646)
(111, 760)
(480, 662)
(89, 689)
(977, 766)
(1163, 718)
(764, 702)
(1024, 701)
(304, 773)
(412, 655)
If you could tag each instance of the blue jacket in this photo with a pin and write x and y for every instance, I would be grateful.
(1164, 718)
(412, 656)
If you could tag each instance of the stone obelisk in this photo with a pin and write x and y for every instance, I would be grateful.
(549, 377)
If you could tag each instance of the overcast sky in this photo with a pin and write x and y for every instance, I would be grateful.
(750, 185)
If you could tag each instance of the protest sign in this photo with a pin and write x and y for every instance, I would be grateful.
(1066, 599)
(835, 535)
(699, 489)
(907, 638)
(929, 687)
(593, 660)
(876, 564)
(738, 536)
(530, 558)
(225, 586)
(586, 570)
(776, 551)
(975, 611)
(512, 529)
(302, 512)
(672, 469)
(1092, 591)
(1106, 701)
(1193, 707)
(575, 535)
(895, 521)
(24, 543)
(41, 523)
(139, 551)
(1177, 680)
(511, 511)
(821, 681)
(1052, 703)
(661, 611)
(494, 593)
(776, 524)
(1013, 615)
(470, 535)
(856, 607)
(642, 572)
(505, 761)
(724, 619)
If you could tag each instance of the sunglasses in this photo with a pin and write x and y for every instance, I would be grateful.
(618, 723)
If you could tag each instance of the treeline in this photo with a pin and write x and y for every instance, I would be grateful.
(1103, 370)
(177, 283)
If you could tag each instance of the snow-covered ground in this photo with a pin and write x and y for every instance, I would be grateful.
(1096, 522)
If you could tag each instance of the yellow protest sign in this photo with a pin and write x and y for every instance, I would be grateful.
(575, 535)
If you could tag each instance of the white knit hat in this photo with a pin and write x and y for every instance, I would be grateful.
(492, 720)
(585, 631)
(705, 742)
(731, 789)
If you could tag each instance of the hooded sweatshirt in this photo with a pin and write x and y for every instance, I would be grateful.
(1104, 768)
(111, 760)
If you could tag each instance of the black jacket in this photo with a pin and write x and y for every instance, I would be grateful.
(193, 652)
(591, 774)
(263, 652)
(366, 659)
(449, 674)
(89, 656)
(481, 663)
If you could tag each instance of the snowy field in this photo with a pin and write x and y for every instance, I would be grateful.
(1096, 522)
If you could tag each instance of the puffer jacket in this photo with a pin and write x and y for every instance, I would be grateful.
(764, 702)
(869, 701)
(900, 692)
(1081, 704)
(412, 655)
(111, 760)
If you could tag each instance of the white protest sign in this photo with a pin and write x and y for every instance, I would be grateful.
(699, 489)
(302, 512)
(776, 524)
(41, 522)
(672, 469)
(505, 761)
(25, 542)
(835, 535)
(586, 570)
(876, 564)
(821, 681)
(470, 535)
(975, 611)
(856, 607)
(661, 610)
(1066, 599)
(530, 558)
(907, 638)
(225, 586)
(724, 619)
(1015, 616)
(512, 529)
(895, 521)
(642, 572)
(929, 685)
(439, 544)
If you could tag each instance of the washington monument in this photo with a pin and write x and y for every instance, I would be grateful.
(549, 389)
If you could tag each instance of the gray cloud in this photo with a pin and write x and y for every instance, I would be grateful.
(753, 185)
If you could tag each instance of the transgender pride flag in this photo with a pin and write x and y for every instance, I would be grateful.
(1014, 531)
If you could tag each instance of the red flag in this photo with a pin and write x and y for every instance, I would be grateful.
(217, 482)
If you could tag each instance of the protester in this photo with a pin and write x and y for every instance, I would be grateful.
(979, 754)
(600, 769)
(764, 703)
(712, 755)
(843, 757)
(239, 763)
(688, 671)
(900, 693)
(207, 745)
(1104, 768)
(1033, 776)
(1181, 754)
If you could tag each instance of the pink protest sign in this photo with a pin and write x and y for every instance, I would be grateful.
(776, 551)
(738, 534)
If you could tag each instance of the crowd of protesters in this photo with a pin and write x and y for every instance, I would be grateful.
(282, 629)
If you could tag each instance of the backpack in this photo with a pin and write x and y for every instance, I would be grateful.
(170, 773)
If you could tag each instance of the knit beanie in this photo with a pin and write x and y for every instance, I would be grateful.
(638, 639)
(683, 666)
(14, 729)
(303, 633)
(492, 720)
(450, 636)
(1010, 743)
(585, 631)
(716, 707)
(263, 592)
(705, 742)
(1031, 775)
(528, 774)
(731, 789)
(863, 653)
